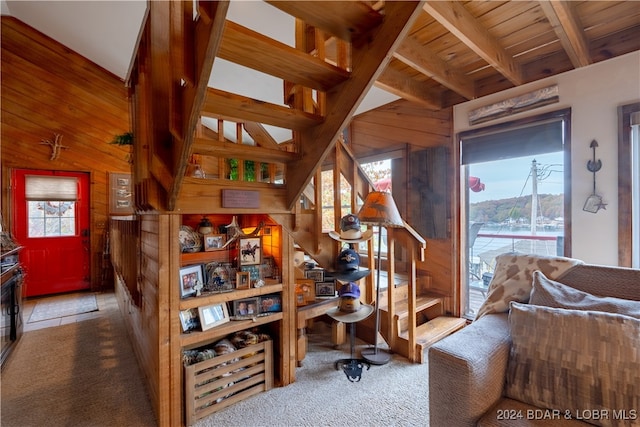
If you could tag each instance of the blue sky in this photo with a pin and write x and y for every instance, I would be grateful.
(506, 178)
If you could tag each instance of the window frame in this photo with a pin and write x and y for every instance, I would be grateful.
(565, 116)
(625, 184)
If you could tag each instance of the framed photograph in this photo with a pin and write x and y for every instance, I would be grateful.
(254, 272)
(214, 242)
(325, 289)
(213, 315)
(316, 275)
(308, 289)
(243, 281)
(271, 303)
(189, 320)
(250, 251)
(120, 194)
(246, 307)
(190, 277)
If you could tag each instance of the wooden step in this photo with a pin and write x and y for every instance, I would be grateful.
(433, 331)
(422, 303)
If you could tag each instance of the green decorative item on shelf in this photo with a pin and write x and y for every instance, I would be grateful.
(123, 139)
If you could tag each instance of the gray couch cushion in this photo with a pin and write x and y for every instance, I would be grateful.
(550, 293)
(573, 360)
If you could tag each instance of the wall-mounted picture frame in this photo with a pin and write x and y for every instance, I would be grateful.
(214, 242)
(246, 307)
(190, 276)
(243, 280)
(316, 275)
(325, 289)
(213, 315)
(120, 194)
(189, 320)
(250, 251)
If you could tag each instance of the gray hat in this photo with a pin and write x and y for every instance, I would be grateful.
(350, 230)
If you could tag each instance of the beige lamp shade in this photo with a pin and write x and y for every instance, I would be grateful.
(380, 209)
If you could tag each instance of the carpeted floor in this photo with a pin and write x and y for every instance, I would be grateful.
(85, 374)
(395, 394)
(80, 374)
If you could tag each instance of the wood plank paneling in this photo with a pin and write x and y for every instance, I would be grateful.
(47, 89)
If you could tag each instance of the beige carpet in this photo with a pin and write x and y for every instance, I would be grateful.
(395, 394)
(81, 374)
(85, 374)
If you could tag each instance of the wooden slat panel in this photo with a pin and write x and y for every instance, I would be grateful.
(251, 49)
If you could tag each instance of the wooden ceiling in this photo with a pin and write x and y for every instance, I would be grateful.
(433, 54)
(458, 51)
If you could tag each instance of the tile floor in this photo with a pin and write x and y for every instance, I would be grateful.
(106, 302)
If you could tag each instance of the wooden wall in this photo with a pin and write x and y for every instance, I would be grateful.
(405, 129)
(48, 89)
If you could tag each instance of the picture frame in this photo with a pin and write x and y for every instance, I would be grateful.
(213, 315)
(190, 320)
(120, 194)
(214, 242)
(250, 251)
(326, 289)
(254, 273)
(190, 276)
(243, 280)
(246, 307)
(271, 303)
(308, 288)
(316, 275)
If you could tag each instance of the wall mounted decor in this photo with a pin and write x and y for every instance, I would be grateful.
(120, 194)
(55, 144)
(518, 104)
(594, 202)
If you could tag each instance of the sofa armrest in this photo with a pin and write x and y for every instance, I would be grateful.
(467, 371)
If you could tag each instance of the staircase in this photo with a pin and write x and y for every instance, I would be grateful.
(179, 123)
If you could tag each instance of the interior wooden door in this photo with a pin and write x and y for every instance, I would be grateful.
(51, 222)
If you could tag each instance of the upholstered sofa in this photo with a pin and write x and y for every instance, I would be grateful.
(549, 347)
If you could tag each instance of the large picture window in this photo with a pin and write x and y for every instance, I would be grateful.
(515, 179)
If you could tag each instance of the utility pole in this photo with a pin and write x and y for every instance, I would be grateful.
(534, 196)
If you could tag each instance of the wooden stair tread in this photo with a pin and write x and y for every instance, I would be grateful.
(436, 329)
(422, 302)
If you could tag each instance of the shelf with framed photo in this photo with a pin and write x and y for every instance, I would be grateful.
(251, 252)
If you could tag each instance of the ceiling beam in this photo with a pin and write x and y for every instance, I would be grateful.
(460, 22)
(368, 62)
(405, 86)
(427, 62)
(567, 26)
(347, 20)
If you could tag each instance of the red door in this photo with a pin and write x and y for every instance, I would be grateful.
(51, 223)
